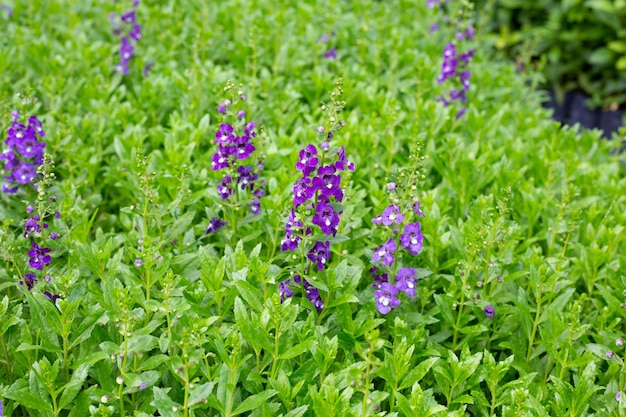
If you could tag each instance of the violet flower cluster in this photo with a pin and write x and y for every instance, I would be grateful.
(454, 68)
(235, 146)
(130, 34)
(23, 153)
(404, 235)
(317, 197)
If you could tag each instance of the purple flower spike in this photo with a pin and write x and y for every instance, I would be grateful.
(412, 239)
(313, 295)
(135, 33)
(385, 253)
(308, 160)
(32, 226)
(386, 299)
(406, 282)
(320, 253)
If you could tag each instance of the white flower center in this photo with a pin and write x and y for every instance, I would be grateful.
(383, 300)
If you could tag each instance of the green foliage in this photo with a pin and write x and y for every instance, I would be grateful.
(157, 317)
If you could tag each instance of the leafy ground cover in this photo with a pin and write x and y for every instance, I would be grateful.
(247, 209)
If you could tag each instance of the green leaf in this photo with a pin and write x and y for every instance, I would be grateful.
(254, 401)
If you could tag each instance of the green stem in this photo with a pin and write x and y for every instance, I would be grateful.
(533, 333)
(367, 384)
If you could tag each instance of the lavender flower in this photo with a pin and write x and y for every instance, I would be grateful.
(406, 282)
(308, 160)
(412, 239)
(29, 280)
(215, 224)
(52, 297)
(129, 40)
(284, 290)
(331, 53)
(390, 215)
(320, 253)
(255, 206)
(489, 312)
(32, 226)
(326, 218)
(385, 297)
(38, 256)
(385, 253)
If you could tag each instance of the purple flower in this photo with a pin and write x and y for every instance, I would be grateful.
(224, 188)
(322, 39)
(308, 160)
(129, 17)
(326, 218)
(135, 33)
(215, 224)
(255, 206)
(290, 241)
(331, 53)
(385, 253)
(378, 279)
(391, 215)
(29, 280)
(433, 28)
(489, 312)
(244, 147)
(225, 135)
(146, 69)
(241, 114)
(342, 161)
(386, 298)
(460, 113)
(313, 295)
(24, 173)
(618, 396)
(284, 290)
(412, 239)
(221, 108)
(246, 177)
(328, 183)
(320, 253)
(32, 226)
(406, 282)
(54, 236)
(417, 210)
(38, 256)
(138, 262)
(127, 49)
(302, 191)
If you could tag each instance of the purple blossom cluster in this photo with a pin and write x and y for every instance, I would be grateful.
(9, 12)
(129, 30)
(405, 235)
(454, 68)
(23, 153)
(319, 189)
(236, 146)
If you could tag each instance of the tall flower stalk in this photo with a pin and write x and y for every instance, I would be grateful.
(241, 187)
(317, 198)
(403, 236)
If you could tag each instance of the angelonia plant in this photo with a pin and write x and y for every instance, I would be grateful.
(23, 153)
(402, 234)
(39, 234)
(457, 56)
(317, 198)
(129, 30)
(239, 161)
